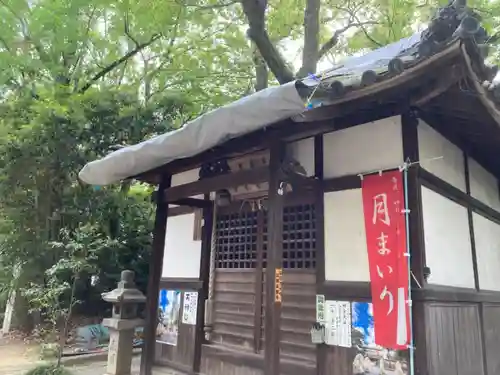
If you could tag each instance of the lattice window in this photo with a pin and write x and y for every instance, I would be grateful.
(299, 237)
(237, 240)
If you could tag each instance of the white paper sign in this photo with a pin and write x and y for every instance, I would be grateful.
(320, 308)
(190, 308)
(338, 323)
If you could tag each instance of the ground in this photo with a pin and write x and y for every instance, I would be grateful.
(16, 357)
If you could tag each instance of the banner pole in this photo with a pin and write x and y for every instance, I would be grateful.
(408, 255)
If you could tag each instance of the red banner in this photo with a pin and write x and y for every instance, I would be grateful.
(383, 204)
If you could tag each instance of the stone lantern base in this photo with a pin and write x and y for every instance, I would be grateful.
(121, 338)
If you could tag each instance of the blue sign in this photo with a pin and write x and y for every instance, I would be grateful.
(362, 320)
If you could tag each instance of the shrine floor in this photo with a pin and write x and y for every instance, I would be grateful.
(93, 368)
(99, 368)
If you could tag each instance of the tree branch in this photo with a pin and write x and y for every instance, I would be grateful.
(206, 7)
(310, 56)
(361, 25)
(255, 13)
(330, 43)
(261, 74)
(116, 63)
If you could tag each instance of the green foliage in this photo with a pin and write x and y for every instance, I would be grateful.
(49, 370)
(80, 78)
(56, 228)
(49, 351)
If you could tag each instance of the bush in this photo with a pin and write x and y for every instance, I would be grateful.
(49, 370)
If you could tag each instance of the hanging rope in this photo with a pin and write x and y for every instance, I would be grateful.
(211, 277)
(213, 250)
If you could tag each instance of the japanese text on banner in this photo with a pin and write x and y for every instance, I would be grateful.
(383, 202)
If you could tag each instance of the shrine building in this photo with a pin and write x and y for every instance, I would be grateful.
(346, 223)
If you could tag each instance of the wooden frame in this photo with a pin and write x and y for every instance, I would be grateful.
(204, 277)
(417, 177)
(155, 269)
(274, 263)
(409, 131)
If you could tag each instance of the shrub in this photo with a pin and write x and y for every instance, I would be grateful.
(49, 370)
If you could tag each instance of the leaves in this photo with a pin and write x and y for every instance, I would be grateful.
(81, 78)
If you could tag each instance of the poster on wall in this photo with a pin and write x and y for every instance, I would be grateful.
(169, 304)
(385, 224)
(189, 308)
(338, 323)
(370, 358)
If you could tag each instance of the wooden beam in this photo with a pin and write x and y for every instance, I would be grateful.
(184, 284)
(456, 134)
(409, 124)
(472, 236)
(450, 294)
(348, 290)
(361, 291)
(348, 182)
(259, 282)
(471, 223)
(441, 83)
(274, 268)
(180, 210)
(155, 269)
(206, 249)
(409, 129)
(185, 202)
(321, 350)
(449, 191)
(193, 202)
(225, 181)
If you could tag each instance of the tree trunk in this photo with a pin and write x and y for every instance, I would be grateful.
(261, 77)
(255, 13)
(311, 38)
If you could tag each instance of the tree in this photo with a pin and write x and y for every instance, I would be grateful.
(331, 29)
(79, 79)
(152, 47)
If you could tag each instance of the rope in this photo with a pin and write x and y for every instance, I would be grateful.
(211, 277)
(213, 249)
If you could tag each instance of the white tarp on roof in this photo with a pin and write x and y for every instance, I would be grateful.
(214, 128)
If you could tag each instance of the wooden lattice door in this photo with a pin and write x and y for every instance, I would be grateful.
(242, 241)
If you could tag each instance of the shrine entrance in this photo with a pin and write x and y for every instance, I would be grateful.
(239, 282)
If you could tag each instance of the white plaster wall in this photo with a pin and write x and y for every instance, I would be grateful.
(368, 147)
(450, 167)
(303, 152)
(346, 255)
(182, 255)
(483, 185)
(447, 241)
(487, 240)
(185, 177)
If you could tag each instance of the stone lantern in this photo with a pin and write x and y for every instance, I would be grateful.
(122, 324)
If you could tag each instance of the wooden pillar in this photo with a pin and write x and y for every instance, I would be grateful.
(470, 218)
(321, 350)
(409, 123)
(274, 262)
(155, 269)
(206, 247)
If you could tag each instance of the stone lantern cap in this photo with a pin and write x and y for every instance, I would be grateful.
(126, 292)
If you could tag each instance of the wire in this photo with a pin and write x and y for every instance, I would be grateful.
(408, 251)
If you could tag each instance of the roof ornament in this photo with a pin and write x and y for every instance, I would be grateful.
(467, 28)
